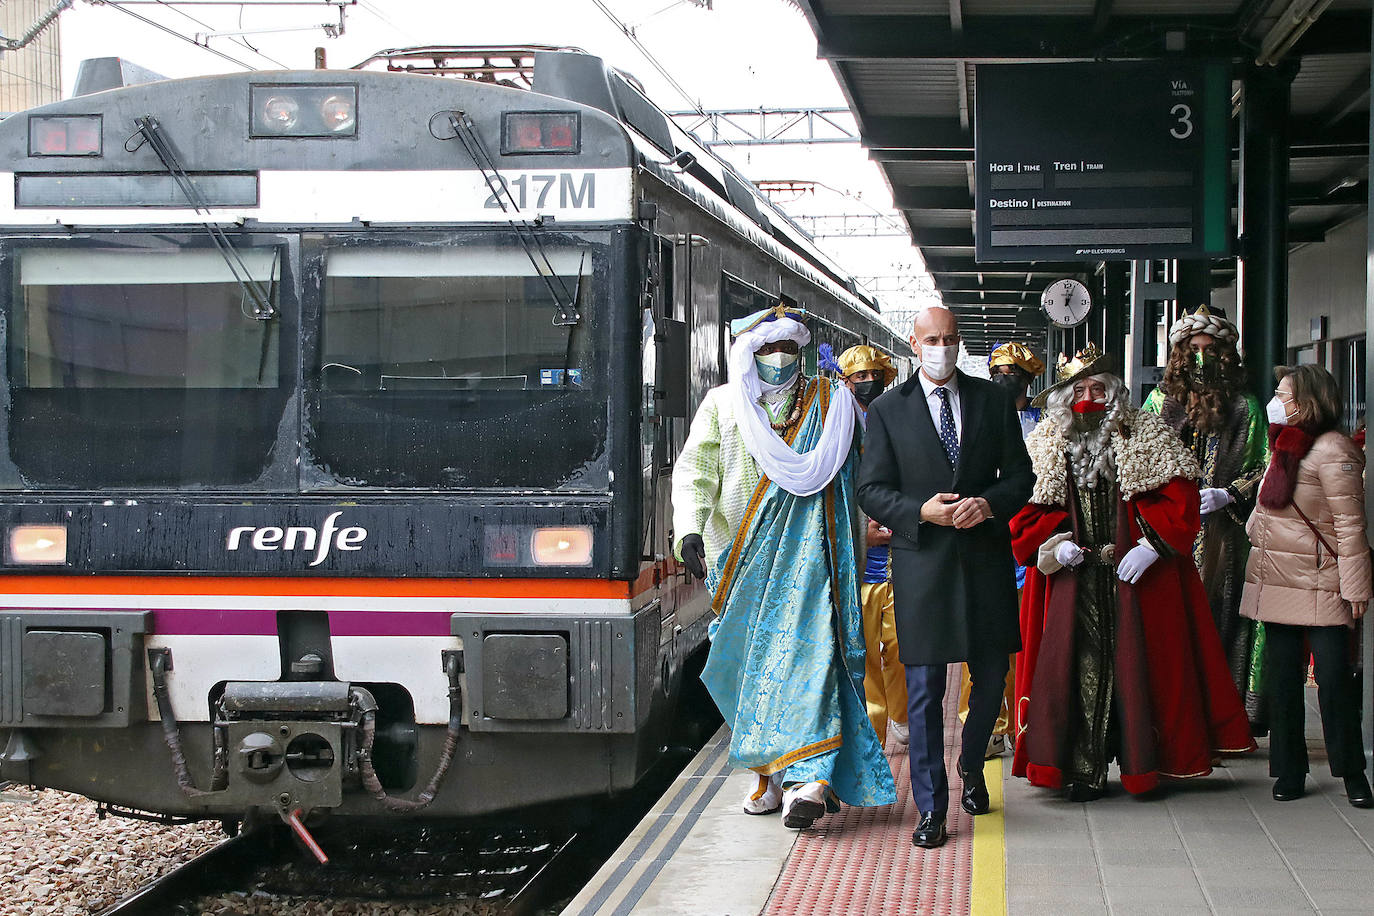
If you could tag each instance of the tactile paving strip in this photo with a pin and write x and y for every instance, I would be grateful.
(860, 862)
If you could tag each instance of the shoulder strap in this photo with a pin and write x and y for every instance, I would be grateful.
(1321, 540)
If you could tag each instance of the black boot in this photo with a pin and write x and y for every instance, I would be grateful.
(1082, 792)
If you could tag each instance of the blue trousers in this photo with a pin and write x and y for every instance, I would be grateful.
(925, 689)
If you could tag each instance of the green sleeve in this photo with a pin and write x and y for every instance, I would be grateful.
(1154, 402)
(1245, 487)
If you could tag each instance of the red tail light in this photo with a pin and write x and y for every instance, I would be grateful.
(64, 135)
(540, 132)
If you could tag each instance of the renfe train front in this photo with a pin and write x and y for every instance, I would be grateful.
(320, 469)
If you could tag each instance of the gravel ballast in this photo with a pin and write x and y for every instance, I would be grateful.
(58, 859)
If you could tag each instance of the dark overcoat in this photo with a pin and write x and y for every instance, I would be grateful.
(955, 590)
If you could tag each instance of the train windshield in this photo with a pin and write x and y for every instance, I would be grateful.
(142, 366)
(443, 367)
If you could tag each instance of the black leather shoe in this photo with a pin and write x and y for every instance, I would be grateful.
(1078, 792)
(974, 798)
(1357, 791)
(930, 832)
(1289, 788)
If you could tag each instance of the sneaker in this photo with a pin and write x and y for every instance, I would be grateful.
(803, 805)
(766, 797)
(899, 731)
(997, 744)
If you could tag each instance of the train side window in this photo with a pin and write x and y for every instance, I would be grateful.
(667, 279)
(737, 300)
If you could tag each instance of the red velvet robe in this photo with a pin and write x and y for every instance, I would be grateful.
(1179, 708)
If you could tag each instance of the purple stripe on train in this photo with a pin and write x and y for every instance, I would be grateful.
(260, 622)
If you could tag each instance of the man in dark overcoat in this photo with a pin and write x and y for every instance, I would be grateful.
(945, 469)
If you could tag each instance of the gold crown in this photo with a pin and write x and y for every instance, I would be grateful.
(1065, 368)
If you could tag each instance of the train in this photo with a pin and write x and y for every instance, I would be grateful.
(340, 409)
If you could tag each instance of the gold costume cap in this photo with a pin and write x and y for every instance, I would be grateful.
(1087, 361)
(864, 357)
(1018, 355)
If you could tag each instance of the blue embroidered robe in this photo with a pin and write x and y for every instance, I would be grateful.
(786, 665)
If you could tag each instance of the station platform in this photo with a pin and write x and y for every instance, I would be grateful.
(1219, 845)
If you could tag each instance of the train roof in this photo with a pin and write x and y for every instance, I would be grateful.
(577, 76)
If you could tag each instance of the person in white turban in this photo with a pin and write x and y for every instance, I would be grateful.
(763, 510)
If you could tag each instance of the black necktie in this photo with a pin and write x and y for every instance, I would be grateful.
(948, 437)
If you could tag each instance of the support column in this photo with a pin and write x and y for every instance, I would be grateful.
(1194, 286)
(1115, 307)
(1264, 222)
(1367, 648)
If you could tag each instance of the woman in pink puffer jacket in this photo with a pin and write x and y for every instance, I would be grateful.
(1308, 578)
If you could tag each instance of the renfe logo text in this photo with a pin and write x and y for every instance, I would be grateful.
(274, 538)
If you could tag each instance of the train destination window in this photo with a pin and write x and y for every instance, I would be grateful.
(434, 359)
(141, 367)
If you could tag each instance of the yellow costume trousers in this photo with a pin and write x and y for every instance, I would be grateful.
(884, 674)
(1003, 726)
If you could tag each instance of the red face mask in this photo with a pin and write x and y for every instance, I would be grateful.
(1089, 406)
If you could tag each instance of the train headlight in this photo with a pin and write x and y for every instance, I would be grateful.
(280, 113)
(540, 132)
(338, 113)
(303, 110)
(64, 135)
(37, 545)
(570, 546)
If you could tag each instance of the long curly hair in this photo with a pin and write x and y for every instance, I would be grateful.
(1207, 407)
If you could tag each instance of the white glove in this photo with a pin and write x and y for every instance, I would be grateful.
(1133, 565)
(1214, 499)
(1068, 553)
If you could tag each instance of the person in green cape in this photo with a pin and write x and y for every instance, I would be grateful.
(1202, 397)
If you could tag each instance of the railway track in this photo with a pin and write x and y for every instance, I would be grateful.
(511, 871)
(523, 865)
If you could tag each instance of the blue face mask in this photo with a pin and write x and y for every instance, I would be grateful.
(777, 368)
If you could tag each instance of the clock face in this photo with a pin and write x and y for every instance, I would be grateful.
(1066, 302)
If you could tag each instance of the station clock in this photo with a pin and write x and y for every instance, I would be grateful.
(1066, 303)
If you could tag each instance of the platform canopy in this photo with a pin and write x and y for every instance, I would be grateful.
(909, 71)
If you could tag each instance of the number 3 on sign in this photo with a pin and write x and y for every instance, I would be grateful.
(1183, 122)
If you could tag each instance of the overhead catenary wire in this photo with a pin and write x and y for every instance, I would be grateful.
(173, 32)
(177, 8)
(648, 55)
(371, 9)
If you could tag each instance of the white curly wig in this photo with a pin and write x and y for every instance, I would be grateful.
(1090, 454)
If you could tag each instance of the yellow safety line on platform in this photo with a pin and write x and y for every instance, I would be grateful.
(988, 896)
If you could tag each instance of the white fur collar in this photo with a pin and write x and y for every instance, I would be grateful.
(1148, 455)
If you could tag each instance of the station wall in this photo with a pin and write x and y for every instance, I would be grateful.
(1328, 280)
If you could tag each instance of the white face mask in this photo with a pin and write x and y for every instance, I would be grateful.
(938, 362)
(776, 368)
(1276, 411)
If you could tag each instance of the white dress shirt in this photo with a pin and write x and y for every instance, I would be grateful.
(934, 403)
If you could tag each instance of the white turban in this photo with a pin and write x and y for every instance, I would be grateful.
(799, 474)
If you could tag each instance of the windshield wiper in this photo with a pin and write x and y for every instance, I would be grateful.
(466, 133)
(150, 132)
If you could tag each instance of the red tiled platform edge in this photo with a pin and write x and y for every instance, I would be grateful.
(860, 862)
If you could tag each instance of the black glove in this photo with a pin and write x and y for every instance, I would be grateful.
(694, 555)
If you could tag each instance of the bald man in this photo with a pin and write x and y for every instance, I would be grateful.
(945, 469)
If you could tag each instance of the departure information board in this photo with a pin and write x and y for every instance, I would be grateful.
(1102, 161)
